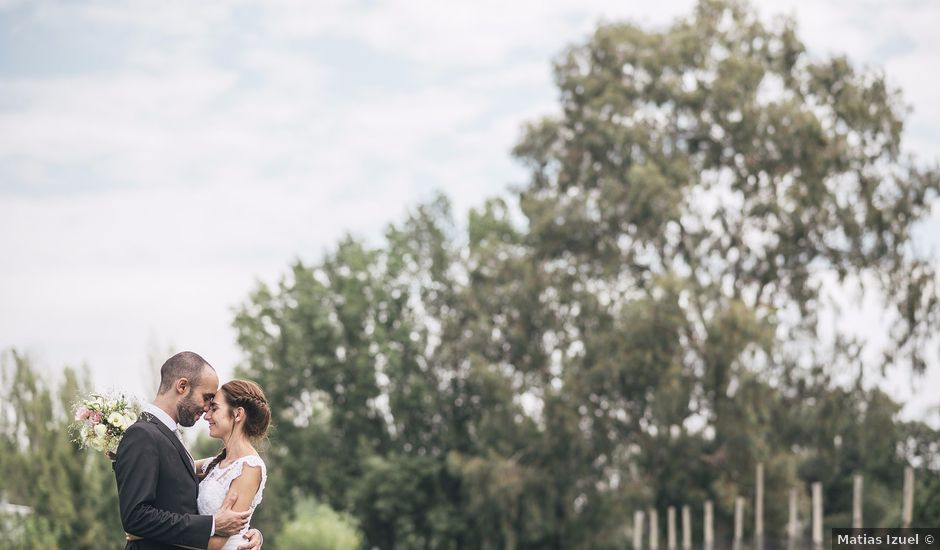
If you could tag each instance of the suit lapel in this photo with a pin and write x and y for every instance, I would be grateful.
(184, 454)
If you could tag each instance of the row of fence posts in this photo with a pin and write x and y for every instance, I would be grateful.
(793, 526)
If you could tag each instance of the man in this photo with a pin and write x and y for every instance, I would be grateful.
(156, 478)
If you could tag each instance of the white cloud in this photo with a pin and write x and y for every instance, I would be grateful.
(223, 139)
(472, 35)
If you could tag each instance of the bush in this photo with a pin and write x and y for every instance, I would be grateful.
(318, 527)
(31, 533)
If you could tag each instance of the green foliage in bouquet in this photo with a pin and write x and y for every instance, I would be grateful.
(101, 420)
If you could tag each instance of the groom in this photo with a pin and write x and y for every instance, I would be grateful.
(156, 479)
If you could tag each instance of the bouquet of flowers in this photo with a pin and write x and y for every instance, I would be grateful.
(101, 419)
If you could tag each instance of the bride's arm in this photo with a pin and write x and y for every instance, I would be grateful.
(246, 486)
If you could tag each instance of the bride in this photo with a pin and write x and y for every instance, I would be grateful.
(238, 415)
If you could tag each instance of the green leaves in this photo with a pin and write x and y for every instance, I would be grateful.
(318, 527)
(71, 492)
(638, 325)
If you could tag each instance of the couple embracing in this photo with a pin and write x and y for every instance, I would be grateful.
(168, 499)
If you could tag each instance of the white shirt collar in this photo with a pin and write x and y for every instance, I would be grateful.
(161, 414)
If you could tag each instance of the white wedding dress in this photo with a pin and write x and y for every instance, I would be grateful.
(214, 487)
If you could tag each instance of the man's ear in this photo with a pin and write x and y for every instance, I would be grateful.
(182, 386)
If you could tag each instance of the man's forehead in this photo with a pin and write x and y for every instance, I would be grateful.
(210, 380)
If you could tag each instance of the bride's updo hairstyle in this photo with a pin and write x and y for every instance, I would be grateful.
(249, 396)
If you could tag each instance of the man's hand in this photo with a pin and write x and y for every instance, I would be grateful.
(255, 540)
(227, 521)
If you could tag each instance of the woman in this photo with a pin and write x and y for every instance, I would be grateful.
(239, 415)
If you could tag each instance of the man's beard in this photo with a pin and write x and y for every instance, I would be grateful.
(187, 411)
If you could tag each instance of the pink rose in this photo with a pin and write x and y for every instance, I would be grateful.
(82, 413)
(95, 417)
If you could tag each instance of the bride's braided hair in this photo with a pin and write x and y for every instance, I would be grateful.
(249, 396)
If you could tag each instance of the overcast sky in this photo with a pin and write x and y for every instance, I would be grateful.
(157, 158)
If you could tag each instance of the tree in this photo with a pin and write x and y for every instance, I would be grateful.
(716, 169)
(647, 333)
(71, 492)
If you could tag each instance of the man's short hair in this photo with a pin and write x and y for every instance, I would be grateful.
(184, 364)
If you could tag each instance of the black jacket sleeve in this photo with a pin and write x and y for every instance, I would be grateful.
(137, 471)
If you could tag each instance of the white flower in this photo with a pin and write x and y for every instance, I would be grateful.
(128, 420)
(116, 419)
(100, 430)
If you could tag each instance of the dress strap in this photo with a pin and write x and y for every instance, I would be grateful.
(253, 460)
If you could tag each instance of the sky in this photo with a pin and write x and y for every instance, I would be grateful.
(159, 159)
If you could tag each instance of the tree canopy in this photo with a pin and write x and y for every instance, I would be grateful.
(638, 325)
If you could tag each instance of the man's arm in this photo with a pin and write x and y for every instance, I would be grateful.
(136, 470)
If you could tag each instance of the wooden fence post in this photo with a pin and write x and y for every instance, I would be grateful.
(907, 511)
(654, 529)
(671, 528)
(759, 504)
(817, 514)
(793, 526)
(686, 528)
(709, 526)
(857, 485)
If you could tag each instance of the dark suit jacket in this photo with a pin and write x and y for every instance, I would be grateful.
(157, 489)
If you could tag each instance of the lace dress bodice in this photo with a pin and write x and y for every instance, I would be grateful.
(214, 487)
